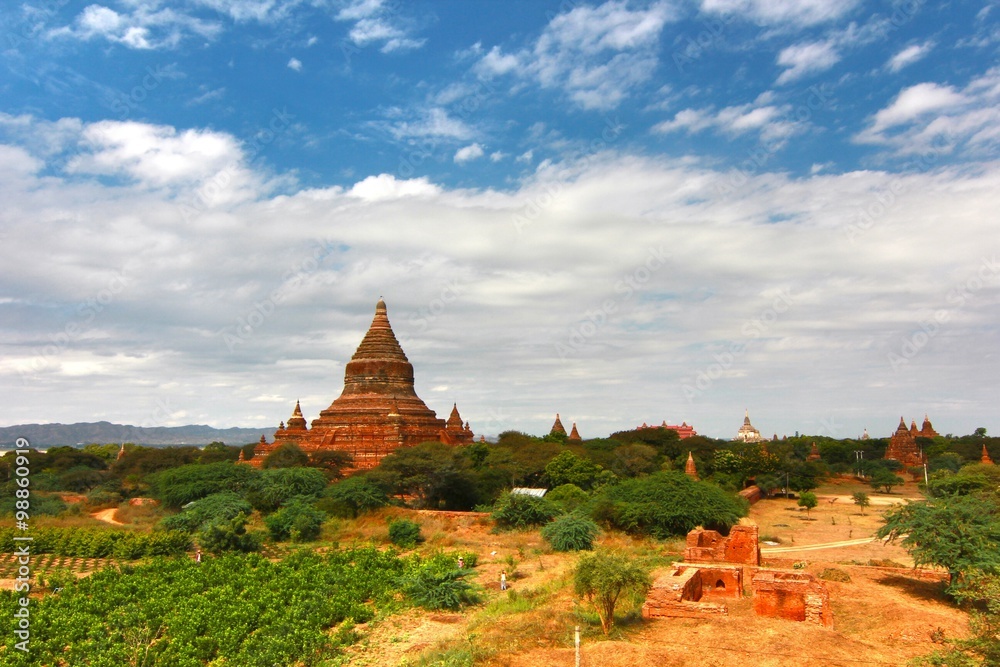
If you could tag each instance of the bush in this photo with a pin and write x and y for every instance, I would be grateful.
(515, 511)
(179, 486)
(224, 535)
(217, 506)
(437, 583)
(405, 533)
(667, 504)
(567, 497)
(571, 532)
(47, 505)
(276, 486)
(352, 497)
(298, 520)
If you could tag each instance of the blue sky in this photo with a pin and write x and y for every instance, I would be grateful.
(619, 211)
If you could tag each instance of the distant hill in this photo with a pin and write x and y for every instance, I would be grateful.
(48, 435)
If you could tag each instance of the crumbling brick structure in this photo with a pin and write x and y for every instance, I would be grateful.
(796, 596)
(685, 590)
(709, 546)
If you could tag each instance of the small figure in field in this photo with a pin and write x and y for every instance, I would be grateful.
(197, 555)
(461, 563)
(503, 580)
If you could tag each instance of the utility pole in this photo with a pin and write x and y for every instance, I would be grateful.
(577, 642)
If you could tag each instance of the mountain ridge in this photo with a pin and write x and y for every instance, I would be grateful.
(55, 434)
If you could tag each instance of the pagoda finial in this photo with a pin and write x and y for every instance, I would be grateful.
(986, 457)
(298, 410)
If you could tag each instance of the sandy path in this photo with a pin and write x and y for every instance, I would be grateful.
(874, 500)
(817, 547)
(108, 516)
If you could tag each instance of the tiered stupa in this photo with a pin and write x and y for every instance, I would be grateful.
(574, 435)
(986, 457)
(690, 469)
(747, 432)
(378, 410)
(557, 427)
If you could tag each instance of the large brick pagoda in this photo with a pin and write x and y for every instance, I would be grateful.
(378, 410)
(903, 443)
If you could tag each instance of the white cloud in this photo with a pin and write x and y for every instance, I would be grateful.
(807, 58)
(145, 27)
(433, 122)
(497, 156)
(295, 64)
(526, 156)
(683, 251)
(931, 117)
(909, 55)
(777, 12)
(597, 55)
(467, 153)
(773, 123)
(375, 22)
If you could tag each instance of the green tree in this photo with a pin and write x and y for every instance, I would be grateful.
(518, 511)
(960, 533)
(571, 532)
(353, 496)
(603, 577)
(435, 473)
(884, 479)
(568, 468)
(808, 500)
(862, 500)
(665, 504)
(224, 535)
(288, 455)
(635, 459)
(405, 533)
(567, 497)
(297, 520)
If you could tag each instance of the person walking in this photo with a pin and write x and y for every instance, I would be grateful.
(503, 580)
(461, 563)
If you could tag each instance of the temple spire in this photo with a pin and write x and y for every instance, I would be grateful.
(689, 468)
(557, 427)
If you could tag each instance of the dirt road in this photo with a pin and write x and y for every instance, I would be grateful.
(108, 516)
(816, 547)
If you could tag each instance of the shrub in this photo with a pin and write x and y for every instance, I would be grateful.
(179, 486)
(298, 520)
(519, 512)
(217, 506)
(224, 535)
(47, 505)
(438, 584)
(405, 533)
(833, 574)
(352, 497)
(603, 577)
(666, 504)
(567, 497)
(279, 485)
(571, 532)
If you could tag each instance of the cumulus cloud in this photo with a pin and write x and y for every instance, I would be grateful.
(779, 12)
(145, 27)
(909, 55)
(596, 55)
(800, 60)
(467, 153)
(376, 22)
(935, 117)
(295, 64)
(617, 275)
(773, 123)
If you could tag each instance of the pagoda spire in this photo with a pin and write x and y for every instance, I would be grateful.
(574, 434)
(986, 457)
(557, 427)
(689, 468)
